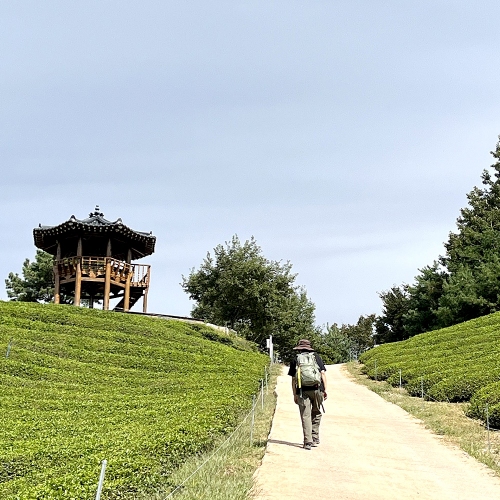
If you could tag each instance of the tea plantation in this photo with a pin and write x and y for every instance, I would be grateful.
(79, 386)
(459, 363)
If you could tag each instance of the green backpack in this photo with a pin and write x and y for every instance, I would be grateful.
(308, 372)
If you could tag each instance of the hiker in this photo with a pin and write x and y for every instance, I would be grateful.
(309, 389)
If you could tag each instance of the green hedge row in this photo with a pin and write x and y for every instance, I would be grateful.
(80, 386)
(455, 364)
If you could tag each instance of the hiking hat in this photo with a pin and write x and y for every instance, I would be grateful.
(303, 345)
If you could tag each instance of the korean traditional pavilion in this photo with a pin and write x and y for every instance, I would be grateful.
(93, 260)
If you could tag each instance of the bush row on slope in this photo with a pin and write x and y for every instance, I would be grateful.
(80, 386)
(454, 364)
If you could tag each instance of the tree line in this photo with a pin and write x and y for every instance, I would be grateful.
(237, 286)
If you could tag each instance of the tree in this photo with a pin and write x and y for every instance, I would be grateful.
(334, 345)
(464, 283)
(36, 283)
(423, 300)
(347, 342)
(472, 260)
(257, 297)
(390, 326)
(361, 334)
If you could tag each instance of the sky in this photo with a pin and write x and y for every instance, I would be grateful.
(343, 135)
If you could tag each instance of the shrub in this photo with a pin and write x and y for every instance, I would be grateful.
(81, 385)
(454, 363)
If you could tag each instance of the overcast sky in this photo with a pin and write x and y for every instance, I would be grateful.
(343, 135)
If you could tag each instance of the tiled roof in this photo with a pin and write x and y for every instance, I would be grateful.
(46, 236)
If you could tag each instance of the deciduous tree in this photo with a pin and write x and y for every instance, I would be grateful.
(238, 286)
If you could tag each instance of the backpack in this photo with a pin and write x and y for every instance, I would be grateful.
(308, 372)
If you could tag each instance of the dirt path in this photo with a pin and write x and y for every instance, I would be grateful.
(370, 449)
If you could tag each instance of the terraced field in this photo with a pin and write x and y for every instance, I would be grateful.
(79, 386)
(455, 364)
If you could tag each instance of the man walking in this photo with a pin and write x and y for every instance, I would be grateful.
(309, 389)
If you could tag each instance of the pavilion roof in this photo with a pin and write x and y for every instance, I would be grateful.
(141, 243)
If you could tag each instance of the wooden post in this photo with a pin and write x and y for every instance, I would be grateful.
(107, 284)
(57, 279)
(145, 299)
(108, 248)
(129, 256)
(78, 279)
(126, 300)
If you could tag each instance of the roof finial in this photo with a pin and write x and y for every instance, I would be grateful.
(97, 212)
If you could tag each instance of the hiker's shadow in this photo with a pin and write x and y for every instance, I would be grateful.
(287, 443)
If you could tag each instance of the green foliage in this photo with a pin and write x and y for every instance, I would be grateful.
(489, 395)
(454, 364)
(238, 286)
(389, 326)
(334, 346)
(347, 342)
(37, 283)
(81, 385)
(423, 300)
(464, 283)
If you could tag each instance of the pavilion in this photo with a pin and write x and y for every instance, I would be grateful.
(93, 260)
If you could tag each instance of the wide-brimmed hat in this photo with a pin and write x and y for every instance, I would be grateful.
(304, 345)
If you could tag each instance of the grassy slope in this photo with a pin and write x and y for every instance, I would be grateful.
(82, 385)
(455, 364)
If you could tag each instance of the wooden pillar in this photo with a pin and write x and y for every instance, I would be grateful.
(129, 256)
(78, 280)
(107, 284)
(108, 249)
(91, 301)
(126, 300)
(57, 279)
(145, 299)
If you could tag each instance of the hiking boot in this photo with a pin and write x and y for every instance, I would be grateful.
(307, 446)
(315, 442)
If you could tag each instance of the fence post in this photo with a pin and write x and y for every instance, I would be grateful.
(253, 420)
(267, 388)
(8, 348)
(101, 480)
(488, 425)
(262, 393)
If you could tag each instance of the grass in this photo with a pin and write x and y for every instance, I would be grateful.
(226, 472)
(445, 419)
(80, 386)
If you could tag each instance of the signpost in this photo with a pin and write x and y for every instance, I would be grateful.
(269, 345)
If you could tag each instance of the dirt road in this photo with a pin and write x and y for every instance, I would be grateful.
(370, 449)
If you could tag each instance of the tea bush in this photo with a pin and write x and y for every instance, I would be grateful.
(81, 385)
(455, 364)
(489, 395)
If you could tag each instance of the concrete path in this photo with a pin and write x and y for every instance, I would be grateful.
(370, 449)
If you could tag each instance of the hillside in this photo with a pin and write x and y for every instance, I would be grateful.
(459, 363)
(81, 385)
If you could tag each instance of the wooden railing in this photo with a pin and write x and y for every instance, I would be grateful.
(95, 268)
